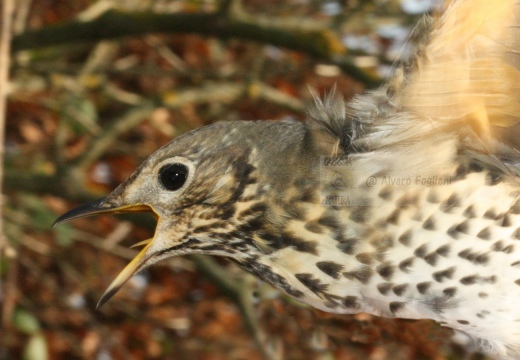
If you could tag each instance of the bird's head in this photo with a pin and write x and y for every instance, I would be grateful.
(209, 190)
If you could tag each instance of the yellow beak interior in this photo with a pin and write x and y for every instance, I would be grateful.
(102, 206)
(125, 275)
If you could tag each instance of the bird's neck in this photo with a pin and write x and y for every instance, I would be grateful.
(410, 253)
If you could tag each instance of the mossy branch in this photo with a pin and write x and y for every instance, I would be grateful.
(303, 36)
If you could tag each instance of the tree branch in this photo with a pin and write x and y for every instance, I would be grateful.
(8, 301)
(316, 41)
(115, 24)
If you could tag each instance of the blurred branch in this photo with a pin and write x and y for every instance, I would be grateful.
(5, 40)
(22, 14)
(127, 121)
(223, 93)
(116, 24)
(259, 90)
(227, 93)
(228, 5)
(66, 184)
(7, 299)
(16, 180)
(294, 34)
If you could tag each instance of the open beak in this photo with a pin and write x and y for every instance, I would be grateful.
(124, 275)
(102, 206)
(97, 207)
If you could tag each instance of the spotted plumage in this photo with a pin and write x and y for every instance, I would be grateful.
(405, 202)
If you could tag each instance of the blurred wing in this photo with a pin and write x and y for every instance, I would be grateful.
(468, 71)
(459, 93)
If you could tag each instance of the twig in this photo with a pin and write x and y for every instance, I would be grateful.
(42, 184)
(274, 96)
(34, 245)
(7, 300)
(118, 234)
(118, 250)
(21, 16)
(129, 120)
(126, 97)
(104, 53)
(223, 93)
(5, 41)
(167, 54)
(228, 7)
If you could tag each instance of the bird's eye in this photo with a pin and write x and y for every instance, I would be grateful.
(173, 176)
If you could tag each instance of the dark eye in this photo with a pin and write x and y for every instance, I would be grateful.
(173, 176)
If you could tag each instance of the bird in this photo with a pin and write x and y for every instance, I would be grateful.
(403, 202)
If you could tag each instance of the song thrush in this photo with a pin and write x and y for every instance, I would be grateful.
(402, 203)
